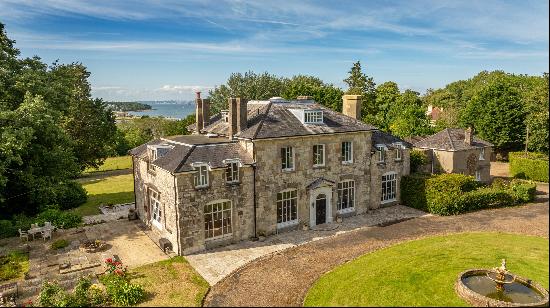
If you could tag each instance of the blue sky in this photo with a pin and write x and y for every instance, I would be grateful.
(157, 50)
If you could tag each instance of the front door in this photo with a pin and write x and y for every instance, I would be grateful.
(321, 209)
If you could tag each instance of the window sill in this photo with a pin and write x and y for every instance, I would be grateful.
(388, 201)
(219, 238)
(346, 210)
(381, 162)
(318, 166)
(205, 187)
(231, 184)
(287, 170)
(347, 162)
(287, 224)
(398, 159)
(157, 224)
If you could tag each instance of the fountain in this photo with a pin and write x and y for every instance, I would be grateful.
(498, 287)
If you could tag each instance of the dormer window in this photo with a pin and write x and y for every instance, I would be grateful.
(232, 170)
(398, 151)
(201, 175)
(156, 152)
(313, 116)
(225, 115)
(381, 151)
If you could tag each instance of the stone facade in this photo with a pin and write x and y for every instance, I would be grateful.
(253, 200)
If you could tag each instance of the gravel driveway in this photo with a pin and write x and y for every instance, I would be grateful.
(283, 278)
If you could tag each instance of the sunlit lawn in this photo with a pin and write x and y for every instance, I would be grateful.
(13, 266)
(109, 190)
(423, 272)
(113, 163)
(170, 282)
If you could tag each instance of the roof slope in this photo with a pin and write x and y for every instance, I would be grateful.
(379, 137)
(274, 120)
(450, 139)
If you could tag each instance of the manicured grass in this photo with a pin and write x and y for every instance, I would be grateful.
(170, 282)
(107, 190)
(13, 266)
(113, 163)
(423, 272)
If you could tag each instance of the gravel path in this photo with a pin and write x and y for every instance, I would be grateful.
(283, 278)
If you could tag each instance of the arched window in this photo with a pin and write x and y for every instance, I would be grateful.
(217, 219)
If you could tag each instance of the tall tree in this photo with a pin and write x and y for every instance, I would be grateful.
(497, 115)
(387, 95)
(361, 84)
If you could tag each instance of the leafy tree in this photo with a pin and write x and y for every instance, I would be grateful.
(249, 85)
(387, 95)
(407, 116)
(361, 84)
(537, 117)
(324, 94)
(497, 115)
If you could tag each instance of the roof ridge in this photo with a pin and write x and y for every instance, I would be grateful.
(450, 139)
(185, 158)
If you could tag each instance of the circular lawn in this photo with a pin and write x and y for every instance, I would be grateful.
(423, 272)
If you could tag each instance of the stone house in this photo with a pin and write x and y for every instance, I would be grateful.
(263, 167)
(455, 150)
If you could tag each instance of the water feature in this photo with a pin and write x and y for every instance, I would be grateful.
(499, 287)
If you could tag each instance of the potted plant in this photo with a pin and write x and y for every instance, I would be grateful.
(132, 214)
(338, 218)
(305, 226)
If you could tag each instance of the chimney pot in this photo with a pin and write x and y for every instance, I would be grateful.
(198, 93)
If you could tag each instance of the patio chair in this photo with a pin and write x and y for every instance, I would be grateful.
(23, 234)
(47, 234)
(47, 224)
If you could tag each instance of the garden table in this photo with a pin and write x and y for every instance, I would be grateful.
(34, 231)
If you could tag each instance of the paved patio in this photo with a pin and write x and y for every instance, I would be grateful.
(216, 264)
(124, 239)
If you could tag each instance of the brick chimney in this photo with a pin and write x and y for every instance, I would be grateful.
(468, 136)
(205, 111)
(242, 114)
(351, 106)
(232, 117)
(199, 119)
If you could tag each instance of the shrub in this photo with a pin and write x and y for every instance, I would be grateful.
(7, 229)
(60, 219)
(121, 291)
(418, 159)
(70, 195)
(50, 294)
(59, 244)
(534, 166)
(11, 265)
(84, 295)
(413, 191)
(484, 198)
(523, 191)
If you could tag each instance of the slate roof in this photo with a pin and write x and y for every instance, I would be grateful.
(268, 119)
(379, 137)
(190, 149)
(450, 139)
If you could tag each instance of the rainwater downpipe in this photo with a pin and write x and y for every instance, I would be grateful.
(255, 238)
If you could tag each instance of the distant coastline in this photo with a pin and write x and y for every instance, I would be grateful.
(167, 109)
(128, 106)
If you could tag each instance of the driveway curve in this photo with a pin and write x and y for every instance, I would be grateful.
(283, 278)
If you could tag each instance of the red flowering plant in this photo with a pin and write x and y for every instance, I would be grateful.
(115, 267)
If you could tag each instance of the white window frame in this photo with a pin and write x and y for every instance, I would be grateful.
(286, 203)
(287, 159)
(482, 154)
(391, 178)
(478, 175)
(313, 116)
(317, 155)
(381, 152)
(233, 168)
(224, 213)
(349, 186)
(156, 208)
(202, 174)
(398, 151)
(348, 152)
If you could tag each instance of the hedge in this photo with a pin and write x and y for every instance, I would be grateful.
(534, 166)
(452, 194)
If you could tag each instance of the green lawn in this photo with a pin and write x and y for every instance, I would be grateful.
(170, 282)
(113, 163)
(423, 272)
(106, 190)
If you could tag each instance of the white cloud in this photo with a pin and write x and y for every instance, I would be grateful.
(183, 88)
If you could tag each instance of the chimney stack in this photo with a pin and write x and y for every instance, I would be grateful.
(468, 136)
(242, 113)
(232, 117)
(351, 106)
(205, 111)
(199, 119)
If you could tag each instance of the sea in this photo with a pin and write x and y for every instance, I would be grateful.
(167, 109)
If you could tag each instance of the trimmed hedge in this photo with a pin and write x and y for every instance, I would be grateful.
(452, 194)
(533, 167)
